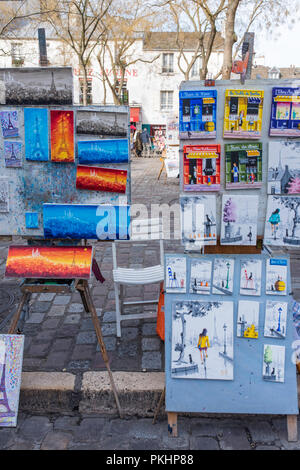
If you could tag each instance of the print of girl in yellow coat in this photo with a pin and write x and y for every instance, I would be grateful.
(203, 343)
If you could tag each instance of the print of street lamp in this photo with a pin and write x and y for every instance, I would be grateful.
(279, 311)
(227, 280)
(225, 328)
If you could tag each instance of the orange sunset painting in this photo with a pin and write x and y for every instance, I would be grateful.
(101, 179)
(62, 136)
(50, 262)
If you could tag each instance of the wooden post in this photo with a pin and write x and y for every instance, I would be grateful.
(172, 424)
(85, 288)
(161, 399)
(292, 428)
(25, 298)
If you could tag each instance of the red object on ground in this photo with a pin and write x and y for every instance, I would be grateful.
(160, 323)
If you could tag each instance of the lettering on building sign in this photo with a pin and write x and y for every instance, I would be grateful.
(80, 73)
(128, 73)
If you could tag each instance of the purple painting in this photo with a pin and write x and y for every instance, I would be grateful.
(9, 124)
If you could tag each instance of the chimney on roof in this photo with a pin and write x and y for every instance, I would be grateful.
(42, 47)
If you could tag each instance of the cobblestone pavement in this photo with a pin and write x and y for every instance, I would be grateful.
(76, 432)
(59, 335)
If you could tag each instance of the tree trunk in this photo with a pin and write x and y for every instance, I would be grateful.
(84, 88)
(230, 38)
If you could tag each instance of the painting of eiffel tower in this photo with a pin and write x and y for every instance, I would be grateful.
(9, 123)
(36, 134)
(13, 154)
(62, 136)
(11, 357)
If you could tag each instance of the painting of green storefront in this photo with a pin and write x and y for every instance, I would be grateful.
(243, 165)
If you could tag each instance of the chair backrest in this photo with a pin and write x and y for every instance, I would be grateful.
(142, 230)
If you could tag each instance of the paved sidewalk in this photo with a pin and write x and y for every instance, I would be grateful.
(85, 432)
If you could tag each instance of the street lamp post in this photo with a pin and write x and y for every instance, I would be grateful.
(227, 280)
(225, 328)
(279, 311)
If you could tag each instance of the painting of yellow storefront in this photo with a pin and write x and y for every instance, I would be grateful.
(243, 114)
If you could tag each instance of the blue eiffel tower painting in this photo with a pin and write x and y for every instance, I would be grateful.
(9, 123)
(36, 134)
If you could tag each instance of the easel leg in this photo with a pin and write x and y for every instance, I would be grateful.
(88, 298)
(292, 428)
(161, 399)
(24, 299)
(172, 424)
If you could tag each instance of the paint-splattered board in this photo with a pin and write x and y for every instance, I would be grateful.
(39, 182)
(249, 391)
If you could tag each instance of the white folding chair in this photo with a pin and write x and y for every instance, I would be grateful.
(137, 276)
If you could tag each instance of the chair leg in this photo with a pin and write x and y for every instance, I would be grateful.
(118, 312)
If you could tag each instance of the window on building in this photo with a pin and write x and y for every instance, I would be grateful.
(195, 70)
(89, 93)
(123, 92)
(166, 100)
(17, 58)
(167, 63)
(274, 74)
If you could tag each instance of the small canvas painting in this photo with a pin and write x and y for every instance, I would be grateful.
(282, 225)
(202, 340)
(92, 152)
(200, 280)
(101, 179)
(284, 167)
(223, 276)
(50, 262)
(11, 359)
(248, 317)
(276, 276)
(250, 280)
(36, 134)
(9, 124)
(102, 123)
(62, 136)
(273, 363)
(13, 154)
(239, 220)
(198, 221)
(243, 165)
(4, 195)
(275, 319)
(175, 274)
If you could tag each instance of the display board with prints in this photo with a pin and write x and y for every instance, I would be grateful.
(229, 334)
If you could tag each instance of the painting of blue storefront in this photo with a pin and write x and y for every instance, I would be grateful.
(197, 114)
(86, 221)
(103, 151)
(285, 114)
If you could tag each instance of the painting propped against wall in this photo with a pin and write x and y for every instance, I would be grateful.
(282, 225)
(37, 85)
(273, 363)
(101, 179)
(91, 152)
(86, 221)
(36, 128)
(285, 113)
(49, 262)
(9, 124)
(198, 221)
(62, 136)
(239, 219)
(284, 167)
(275, 319)
(11, 358)
(202, 340)
(175, 274)
(101, 123)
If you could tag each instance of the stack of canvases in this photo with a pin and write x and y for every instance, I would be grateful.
(243, 163)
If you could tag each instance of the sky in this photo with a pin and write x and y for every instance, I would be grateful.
(281, 48)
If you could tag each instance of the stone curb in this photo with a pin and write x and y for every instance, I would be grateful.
(50, 392)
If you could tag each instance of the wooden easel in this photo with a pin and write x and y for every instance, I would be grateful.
(31, 286)
(292, 428)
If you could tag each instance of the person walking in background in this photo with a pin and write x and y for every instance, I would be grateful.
(145, 138)
(203, 344)
(138, 145)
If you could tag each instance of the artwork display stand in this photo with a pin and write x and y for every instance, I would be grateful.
(37, 286)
